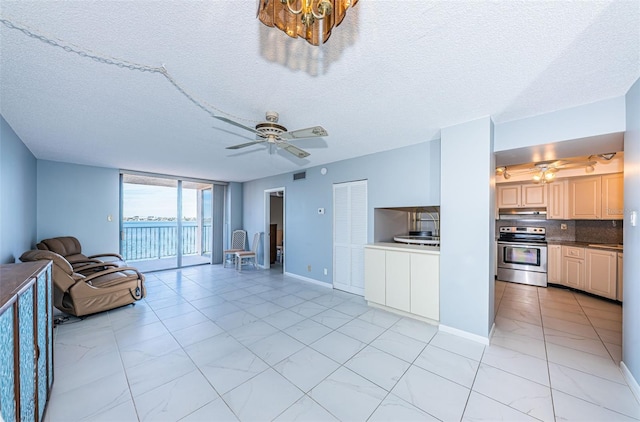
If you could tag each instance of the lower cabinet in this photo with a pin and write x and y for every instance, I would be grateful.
(595, 271)
(554, 264)
(573, 267)
(600, 274)
(425, 285)
(398, 280)
(26, 341)
(403, 280)
(619, 278)
(375, 275)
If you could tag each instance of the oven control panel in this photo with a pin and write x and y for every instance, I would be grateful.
(530, 230)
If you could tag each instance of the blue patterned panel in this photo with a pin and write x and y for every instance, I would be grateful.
(50, 326)
(7, 391)
(42, 343)
(27, 356)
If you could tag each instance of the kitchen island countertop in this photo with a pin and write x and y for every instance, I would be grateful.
(404, 247)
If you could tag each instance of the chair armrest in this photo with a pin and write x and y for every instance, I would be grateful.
(115, 255)
(111, 271)
(94, 266)
(83, 262)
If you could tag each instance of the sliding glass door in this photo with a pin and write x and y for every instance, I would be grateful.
(166, 223)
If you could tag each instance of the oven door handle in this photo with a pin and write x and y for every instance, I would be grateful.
(523, 245)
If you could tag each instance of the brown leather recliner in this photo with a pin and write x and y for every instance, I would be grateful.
(70, 249)
(79, 295)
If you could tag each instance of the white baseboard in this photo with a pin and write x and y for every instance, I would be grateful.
(466, 334)
(633, 384)
(309, 280)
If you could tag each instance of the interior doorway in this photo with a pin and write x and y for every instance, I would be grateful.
(274, 230)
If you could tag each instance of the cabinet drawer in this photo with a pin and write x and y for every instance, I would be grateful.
(573, 252)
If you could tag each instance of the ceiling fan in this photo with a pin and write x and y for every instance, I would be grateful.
(275, 134)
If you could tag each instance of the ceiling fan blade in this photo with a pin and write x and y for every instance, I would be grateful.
(240, 125)
(310, 132)
(248, 144)
(293, 150)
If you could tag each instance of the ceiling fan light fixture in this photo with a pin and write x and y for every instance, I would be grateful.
(312, 20)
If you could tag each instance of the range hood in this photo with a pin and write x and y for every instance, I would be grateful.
(522, 213)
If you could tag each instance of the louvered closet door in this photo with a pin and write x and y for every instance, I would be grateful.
(349, 235)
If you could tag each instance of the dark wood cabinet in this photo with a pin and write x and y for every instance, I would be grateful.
(26, 340)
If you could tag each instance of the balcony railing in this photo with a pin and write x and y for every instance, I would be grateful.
(159, 239)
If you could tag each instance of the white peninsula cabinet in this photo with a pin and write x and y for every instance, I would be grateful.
(403, 278)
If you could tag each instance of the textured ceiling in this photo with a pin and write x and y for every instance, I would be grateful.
(392, 74)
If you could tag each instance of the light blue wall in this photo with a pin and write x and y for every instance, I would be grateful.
(406, 176)
(631, 308)
(17, 196)
(599, 118)
(467, 225)
(75, 200)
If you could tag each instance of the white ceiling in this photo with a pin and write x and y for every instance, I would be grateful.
(391, 75)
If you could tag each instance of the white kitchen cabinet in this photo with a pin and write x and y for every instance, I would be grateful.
(600, 273)
(557, 200)
(619, 278)
(398, 280)
(554, 264)
(374, 275)
(401, 278)
(585, 198)
(522, 195)
(573, 267)
(425, 285)
(613, 197)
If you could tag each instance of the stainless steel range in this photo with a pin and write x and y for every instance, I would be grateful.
(522, 255)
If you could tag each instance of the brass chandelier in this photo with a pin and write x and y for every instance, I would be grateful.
(312, 20)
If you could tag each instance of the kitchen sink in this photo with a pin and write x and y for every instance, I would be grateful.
(606, 246)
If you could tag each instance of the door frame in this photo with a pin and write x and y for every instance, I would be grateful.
(266, 245)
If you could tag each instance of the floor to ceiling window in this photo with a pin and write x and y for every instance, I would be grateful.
(167, 222)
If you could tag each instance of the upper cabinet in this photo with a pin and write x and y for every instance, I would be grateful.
(613, 197)
(574, 198)
(521, 195)
(558, 205)
(585, 195)
(596, 197)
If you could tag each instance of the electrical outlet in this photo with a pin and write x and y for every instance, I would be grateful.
(309, 268)
(325, 271)
(563, 226)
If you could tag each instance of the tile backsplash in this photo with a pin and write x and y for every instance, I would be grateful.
(590, 231)
(599, 231)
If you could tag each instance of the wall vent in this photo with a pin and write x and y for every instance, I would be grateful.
(300, 176)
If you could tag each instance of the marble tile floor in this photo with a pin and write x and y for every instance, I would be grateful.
(211, 344)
